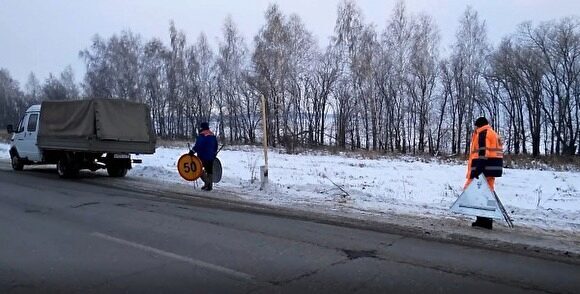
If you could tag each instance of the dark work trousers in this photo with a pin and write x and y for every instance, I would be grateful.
(208, 166)
(207, 177)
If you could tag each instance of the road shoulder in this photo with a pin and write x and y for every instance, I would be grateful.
(551, 244)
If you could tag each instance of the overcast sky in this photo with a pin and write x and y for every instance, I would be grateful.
(44, 36)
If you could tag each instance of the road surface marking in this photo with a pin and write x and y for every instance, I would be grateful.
(189, 260)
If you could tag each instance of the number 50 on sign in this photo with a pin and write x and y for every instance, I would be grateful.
(189, 167)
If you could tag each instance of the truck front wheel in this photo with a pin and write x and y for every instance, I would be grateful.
(17, 164)
(66, 169)
(116, 171)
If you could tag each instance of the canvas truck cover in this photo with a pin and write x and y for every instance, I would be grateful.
(96, 125)
(74, 119)
(122, 120)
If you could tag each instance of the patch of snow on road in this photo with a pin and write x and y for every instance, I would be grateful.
(4, 151)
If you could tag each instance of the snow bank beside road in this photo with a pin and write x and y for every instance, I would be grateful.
(542, 199)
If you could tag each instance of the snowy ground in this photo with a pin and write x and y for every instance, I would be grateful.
(537, 199)
(543, 199)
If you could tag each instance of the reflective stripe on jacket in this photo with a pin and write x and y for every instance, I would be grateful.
(486, 152)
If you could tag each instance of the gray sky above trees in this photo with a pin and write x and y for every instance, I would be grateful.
(43, 36)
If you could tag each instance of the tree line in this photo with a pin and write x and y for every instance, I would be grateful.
(376, 88)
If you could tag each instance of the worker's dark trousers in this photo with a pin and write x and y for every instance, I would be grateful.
(207, 176)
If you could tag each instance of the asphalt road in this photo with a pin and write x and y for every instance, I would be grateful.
(80, 236)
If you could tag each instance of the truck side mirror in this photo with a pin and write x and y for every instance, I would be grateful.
(10, 129)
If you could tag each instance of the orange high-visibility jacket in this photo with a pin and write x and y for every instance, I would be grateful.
(486, 152)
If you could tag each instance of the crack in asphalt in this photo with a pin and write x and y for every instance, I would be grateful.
(356, 254)
(372, 254)
(350, 255)
(85, 204)
(466, 274)
(307, 274)
(32, 210)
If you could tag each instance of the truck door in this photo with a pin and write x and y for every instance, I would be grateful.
(18, 135)
(27, 146)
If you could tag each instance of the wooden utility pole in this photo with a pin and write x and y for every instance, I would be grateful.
(264, 168)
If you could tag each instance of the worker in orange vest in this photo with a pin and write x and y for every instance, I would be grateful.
(485, 157)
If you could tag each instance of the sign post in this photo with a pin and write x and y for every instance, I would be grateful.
(264, 168)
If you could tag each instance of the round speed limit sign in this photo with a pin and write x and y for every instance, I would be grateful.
(189, 167)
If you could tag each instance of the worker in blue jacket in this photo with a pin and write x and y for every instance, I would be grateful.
(206, 147)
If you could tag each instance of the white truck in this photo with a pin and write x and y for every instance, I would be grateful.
(85, 134)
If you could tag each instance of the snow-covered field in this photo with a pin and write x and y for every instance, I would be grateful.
(405, 185)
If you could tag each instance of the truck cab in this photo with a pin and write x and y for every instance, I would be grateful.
(23, 144)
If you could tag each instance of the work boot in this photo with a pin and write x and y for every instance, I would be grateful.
(204, 179)
(483, 222)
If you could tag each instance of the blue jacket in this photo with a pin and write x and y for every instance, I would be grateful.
(206, 145)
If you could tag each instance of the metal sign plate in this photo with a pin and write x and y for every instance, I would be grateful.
(217, 170)
(478, 200)
(189, 167)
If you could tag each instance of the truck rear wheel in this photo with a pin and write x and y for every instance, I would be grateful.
(66, 169)
(116, 171)
(16, 163)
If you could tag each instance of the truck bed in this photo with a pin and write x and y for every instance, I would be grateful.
(96, 125)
